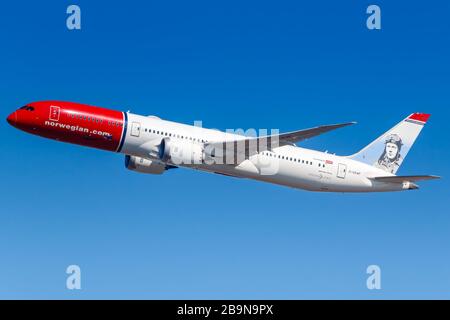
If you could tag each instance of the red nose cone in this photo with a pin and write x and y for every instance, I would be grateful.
(12, 118)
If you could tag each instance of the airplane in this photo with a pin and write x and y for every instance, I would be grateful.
(152, 145)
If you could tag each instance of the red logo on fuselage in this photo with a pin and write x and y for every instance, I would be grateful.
(54, 113)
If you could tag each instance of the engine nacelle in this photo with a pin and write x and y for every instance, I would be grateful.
(180, 152)
(144, 165)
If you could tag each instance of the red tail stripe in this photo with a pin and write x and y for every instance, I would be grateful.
(423, 117)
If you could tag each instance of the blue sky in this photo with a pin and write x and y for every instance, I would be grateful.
(231, 64)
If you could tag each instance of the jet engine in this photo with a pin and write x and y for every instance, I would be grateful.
(144, 165)
(180, 152)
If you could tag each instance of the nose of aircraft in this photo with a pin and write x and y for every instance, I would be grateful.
(12, 118)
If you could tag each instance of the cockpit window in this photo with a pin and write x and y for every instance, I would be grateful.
(28, 108)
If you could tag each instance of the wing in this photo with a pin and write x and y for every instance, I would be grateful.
(300, 135)
(401, 179)
(246, 147)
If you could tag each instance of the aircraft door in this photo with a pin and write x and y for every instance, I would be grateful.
(342, 171)
(135, 129)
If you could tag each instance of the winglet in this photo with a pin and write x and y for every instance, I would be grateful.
(421, 117)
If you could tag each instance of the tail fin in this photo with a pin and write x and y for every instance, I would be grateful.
(388, 151)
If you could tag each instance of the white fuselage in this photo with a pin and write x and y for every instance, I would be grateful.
(286, 165)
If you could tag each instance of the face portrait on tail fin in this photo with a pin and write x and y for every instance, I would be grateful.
(391, 158)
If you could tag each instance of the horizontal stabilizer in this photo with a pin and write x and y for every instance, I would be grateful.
(401, 179)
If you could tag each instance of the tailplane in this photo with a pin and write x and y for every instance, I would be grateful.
(388, 151)
(400, 179)
(408, 182)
